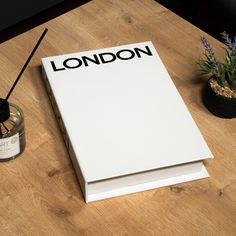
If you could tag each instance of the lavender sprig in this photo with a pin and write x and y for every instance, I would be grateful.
(210, 54)
(211, 58)
(209, 50)
(228, 41)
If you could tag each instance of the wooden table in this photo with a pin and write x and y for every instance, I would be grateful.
(39, 193)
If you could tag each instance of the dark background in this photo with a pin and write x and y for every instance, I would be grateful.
(18, 16)
(12, 11)
(212, 16)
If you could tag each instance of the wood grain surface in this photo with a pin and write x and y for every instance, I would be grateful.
(39, 193)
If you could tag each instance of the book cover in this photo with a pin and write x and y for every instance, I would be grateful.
(125, 125)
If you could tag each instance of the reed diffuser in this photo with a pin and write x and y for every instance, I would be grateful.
(12, 131)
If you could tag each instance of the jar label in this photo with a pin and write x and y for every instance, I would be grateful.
(10, 146)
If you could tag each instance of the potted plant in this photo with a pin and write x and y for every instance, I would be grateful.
(219, 93)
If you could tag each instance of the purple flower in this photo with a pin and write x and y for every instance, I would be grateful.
(206, 45)
(228, 41)
(210, 54)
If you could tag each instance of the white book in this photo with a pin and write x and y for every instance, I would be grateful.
(125, 125)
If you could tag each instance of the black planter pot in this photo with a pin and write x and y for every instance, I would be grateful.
(218, 105)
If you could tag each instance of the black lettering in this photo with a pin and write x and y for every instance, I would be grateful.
(106, 57)
(94, 60)
(76, 65)
(125, 57)
(147, 52)
(55, 68)
(101, 55)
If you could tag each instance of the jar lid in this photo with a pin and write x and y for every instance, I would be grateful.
(4, 110)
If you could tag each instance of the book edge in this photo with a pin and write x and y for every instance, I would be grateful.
(203, 173)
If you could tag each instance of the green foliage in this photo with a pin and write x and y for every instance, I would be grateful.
(224, 72)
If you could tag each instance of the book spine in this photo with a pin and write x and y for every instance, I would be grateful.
(65, 136)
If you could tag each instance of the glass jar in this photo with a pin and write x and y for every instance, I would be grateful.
(12, 134)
